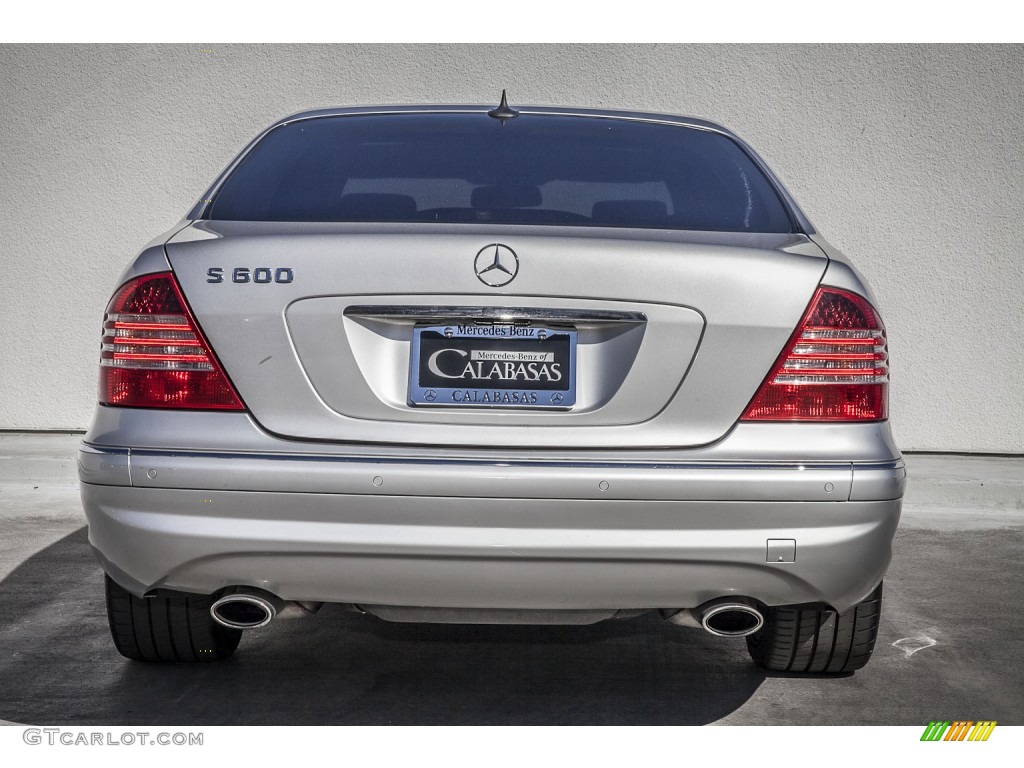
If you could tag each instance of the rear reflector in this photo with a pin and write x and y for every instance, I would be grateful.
(834, 368)
(155, 356)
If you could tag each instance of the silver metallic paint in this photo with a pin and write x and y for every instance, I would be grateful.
(290, 352)
(285, 498)
(755, 442)
(489, 552)
(708, 481)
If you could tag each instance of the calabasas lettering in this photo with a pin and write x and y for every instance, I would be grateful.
(496, 397)
(499, 370)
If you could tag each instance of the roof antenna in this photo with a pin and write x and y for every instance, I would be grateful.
(503, 111)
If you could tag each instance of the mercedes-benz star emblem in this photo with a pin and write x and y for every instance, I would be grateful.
(430, 395)
(557, 398)
(496, 265)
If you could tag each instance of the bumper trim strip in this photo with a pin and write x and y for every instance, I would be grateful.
(485, 479)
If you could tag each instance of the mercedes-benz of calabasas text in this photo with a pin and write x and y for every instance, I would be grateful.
(460, 364)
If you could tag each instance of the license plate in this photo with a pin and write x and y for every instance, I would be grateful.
(493, 366)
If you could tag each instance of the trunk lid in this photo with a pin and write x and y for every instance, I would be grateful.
(315, 325)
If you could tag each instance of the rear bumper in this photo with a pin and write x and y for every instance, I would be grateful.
(478, 533)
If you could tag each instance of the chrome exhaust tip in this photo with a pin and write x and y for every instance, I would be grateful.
(730, 619)
(245, 609)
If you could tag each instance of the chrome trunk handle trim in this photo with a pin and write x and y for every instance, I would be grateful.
(406, 312)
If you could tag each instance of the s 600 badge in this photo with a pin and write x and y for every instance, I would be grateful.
(259, 275)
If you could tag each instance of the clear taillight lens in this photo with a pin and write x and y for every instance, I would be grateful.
(834, 368)
(155, 356)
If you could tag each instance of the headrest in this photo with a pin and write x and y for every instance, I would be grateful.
(506, 196)
(625, 212)
(367, 206)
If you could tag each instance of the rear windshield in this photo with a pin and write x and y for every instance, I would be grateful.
(471, 168)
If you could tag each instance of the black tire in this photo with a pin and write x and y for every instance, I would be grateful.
(171, 627)
(817, 641)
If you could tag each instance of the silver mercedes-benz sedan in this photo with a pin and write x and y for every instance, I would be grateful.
(460, 364)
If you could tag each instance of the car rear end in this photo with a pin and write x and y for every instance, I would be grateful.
(437, 366)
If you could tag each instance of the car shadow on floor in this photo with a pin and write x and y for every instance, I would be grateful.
(59, 667)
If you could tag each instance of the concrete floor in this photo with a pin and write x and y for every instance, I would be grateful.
(950, 643)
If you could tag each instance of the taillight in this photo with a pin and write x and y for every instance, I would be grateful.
(154, 355)
(834, 368)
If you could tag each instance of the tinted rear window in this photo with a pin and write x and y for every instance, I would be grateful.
(470, 168)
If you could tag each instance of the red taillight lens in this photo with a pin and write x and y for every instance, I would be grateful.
(155, 356)
(834, 368)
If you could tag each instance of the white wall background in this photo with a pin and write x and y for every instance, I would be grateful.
(908, 158)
